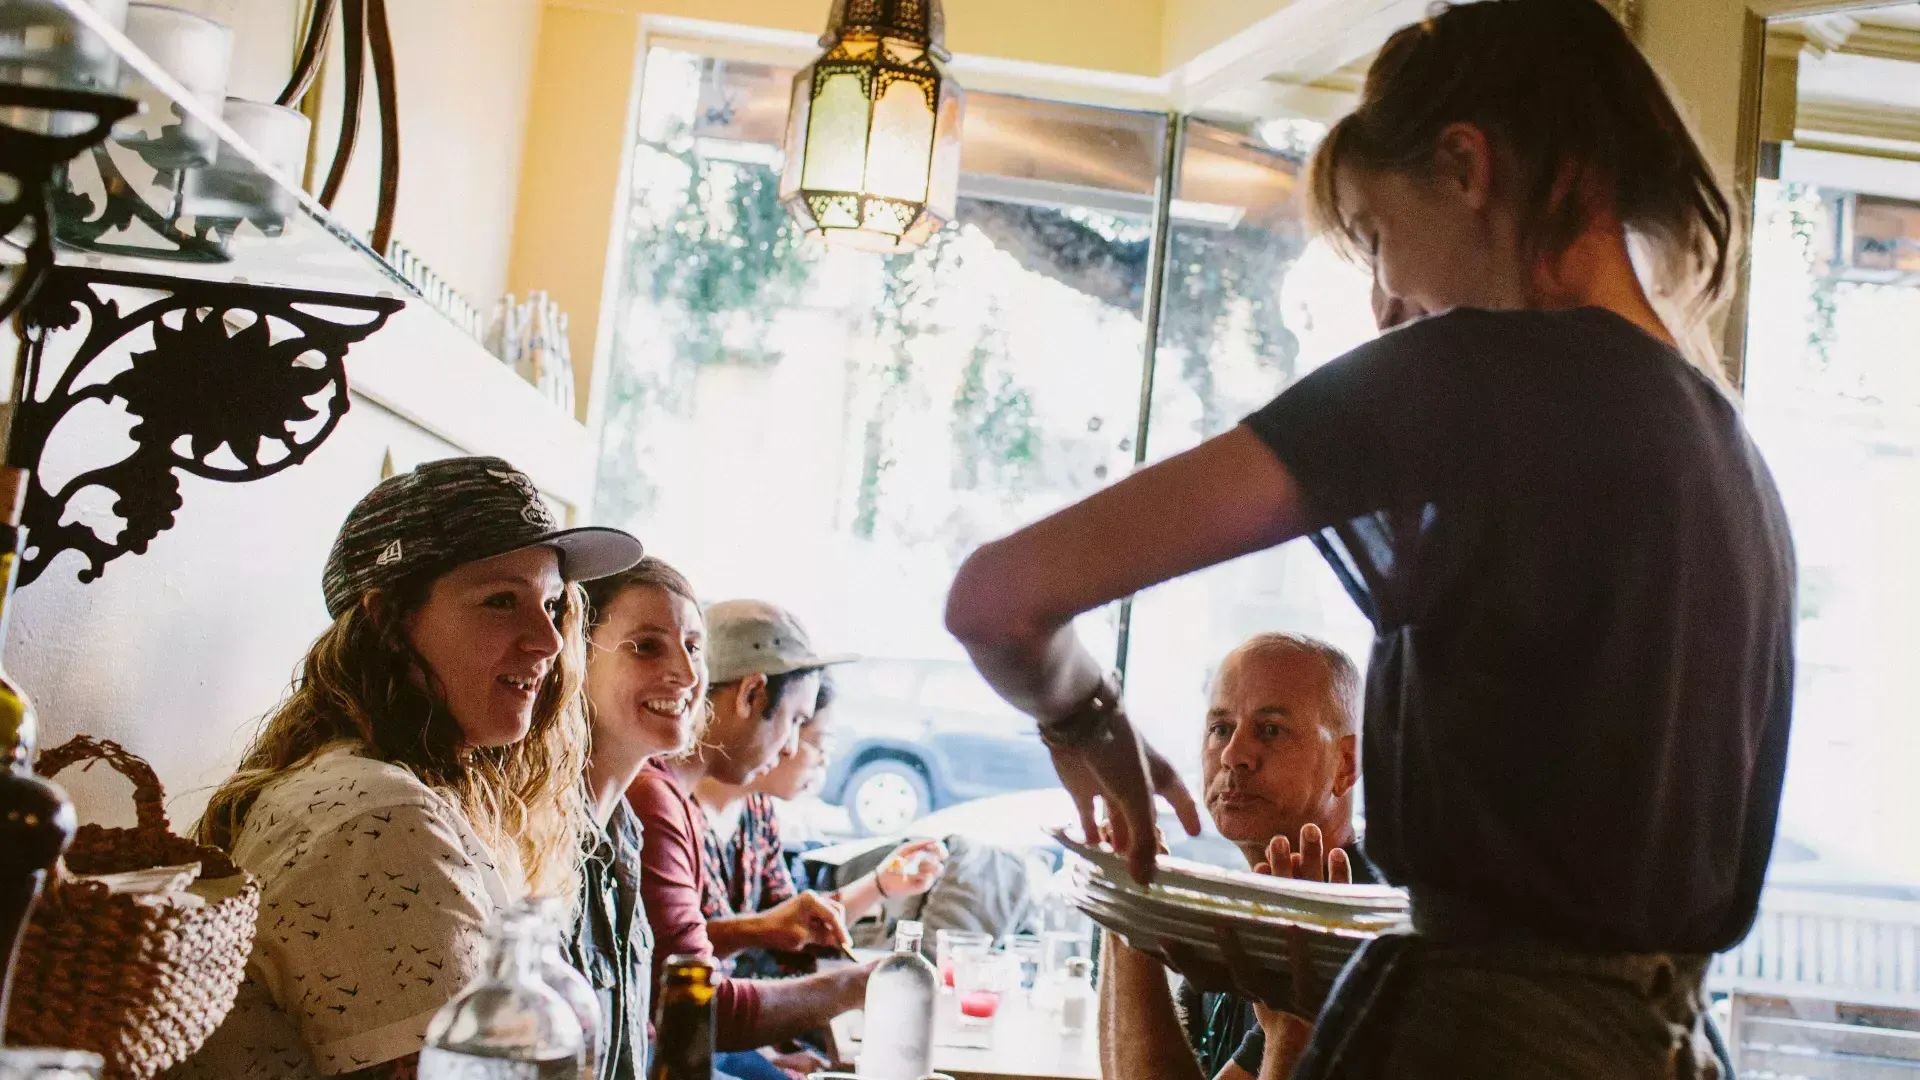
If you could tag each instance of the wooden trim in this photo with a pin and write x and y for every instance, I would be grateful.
(1746, 169)
(1789, 9)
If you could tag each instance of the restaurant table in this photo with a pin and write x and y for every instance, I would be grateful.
(1023, 1041)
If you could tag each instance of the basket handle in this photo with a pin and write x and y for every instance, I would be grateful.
(149, 806)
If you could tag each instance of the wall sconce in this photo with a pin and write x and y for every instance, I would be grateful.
(873, 134)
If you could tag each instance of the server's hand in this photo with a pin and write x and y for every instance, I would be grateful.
(1122, 771)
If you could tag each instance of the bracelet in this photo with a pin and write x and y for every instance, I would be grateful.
(1089, 724)
(879, 880)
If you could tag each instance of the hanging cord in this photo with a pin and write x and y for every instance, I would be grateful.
(354, 49)
(312, 51)
(380, 42)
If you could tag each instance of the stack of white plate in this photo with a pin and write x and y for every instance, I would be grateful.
(1188, 901)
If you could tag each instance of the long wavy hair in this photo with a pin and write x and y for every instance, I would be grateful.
(359, 684)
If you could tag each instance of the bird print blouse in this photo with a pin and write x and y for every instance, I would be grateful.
(375, 897)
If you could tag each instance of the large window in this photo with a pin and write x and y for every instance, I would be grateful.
(1833, 396)
(835, 431)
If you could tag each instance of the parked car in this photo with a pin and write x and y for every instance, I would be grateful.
(916, 736)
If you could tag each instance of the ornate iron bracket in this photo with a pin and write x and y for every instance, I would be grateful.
(31, 158)
(231, 366)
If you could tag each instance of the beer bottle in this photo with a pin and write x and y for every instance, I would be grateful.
(683, 1027)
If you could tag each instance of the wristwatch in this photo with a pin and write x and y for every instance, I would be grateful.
(1088, 725)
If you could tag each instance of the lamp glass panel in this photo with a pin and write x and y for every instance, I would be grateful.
(901, 149)
(799, 107)
(837, 135)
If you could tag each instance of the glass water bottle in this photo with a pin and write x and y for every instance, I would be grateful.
(898, 1041)
(566, 980)
(508, 1024)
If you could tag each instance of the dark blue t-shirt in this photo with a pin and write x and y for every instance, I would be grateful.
(1581, 584)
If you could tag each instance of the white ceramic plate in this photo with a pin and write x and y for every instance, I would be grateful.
(1144, 931)
(1246, 887)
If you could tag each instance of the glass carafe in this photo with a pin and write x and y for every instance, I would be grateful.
(898, 1040)
(508, 1024)
(566, 980)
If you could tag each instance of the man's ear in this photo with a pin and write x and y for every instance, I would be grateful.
(1348, 774)
(751, 700)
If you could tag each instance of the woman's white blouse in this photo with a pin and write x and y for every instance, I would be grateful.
(375, 896)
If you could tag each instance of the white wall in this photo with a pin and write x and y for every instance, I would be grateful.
(465, 74)
(174, 652)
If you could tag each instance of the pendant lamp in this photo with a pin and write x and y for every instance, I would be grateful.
(873, 135)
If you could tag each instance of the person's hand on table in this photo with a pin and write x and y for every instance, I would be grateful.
(797, 1064)
(1122, 771)
(912, 868)
(1284, 1004)
(801, 920)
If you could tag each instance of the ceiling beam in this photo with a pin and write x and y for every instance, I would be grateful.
(1301, 43)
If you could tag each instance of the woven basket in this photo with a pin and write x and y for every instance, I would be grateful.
(142, 984)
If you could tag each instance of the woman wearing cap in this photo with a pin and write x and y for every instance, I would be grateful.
(1577, 566)
(423, 772)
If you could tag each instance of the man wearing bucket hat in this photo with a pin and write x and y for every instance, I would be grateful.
(368, 805)
(765, 676)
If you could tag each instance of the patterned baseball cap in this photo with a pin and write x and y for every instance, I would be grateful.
(753, 637)
(451, 512)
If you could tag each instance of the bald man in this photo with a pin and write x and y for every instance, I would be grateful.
(1280, 757)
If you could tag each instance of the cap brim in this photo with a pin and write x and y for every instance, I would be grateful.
(806, 663)
(593, 551)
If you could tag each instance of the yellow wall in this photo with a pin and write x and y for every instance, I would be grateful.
(587, 59)
(586, 69)
(1696, 46)
(1101, 35)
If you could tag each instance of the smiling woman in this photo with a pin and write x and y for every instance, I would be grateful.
(422, 774)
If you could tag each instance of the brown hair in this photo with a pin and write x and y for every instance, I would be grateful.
(1575, 112)
(648, 573)
(1343, 676)
(357, 686)
(652, 572)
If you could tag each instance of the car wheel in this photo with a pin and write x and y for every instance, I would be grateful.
(885, 796)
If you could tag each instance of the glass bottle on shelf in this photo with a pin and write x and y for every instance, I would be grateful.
(898, 1041)
(533, 353)
(36, 819)
(683, 1039)
(508, 1024)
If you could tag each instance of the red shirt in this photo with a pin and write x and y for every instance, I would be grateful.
(670, 886)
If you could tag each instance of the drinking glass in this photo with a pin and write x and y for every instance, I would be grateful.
(1060, 946)
(979, 978)
(31, 1064)
(197, 52)
(41, 44)
(1029, 952)
(231, 190)
(943, 944)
